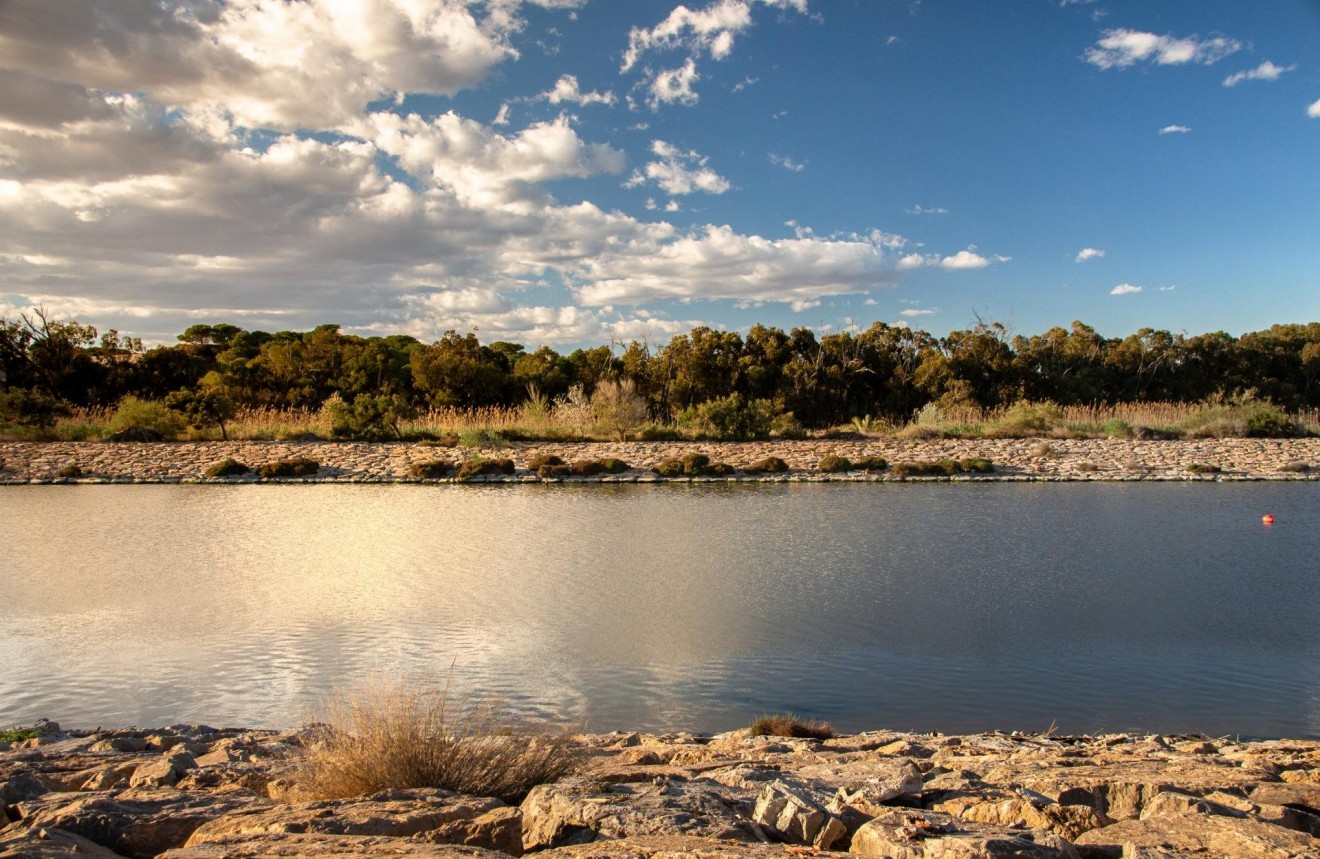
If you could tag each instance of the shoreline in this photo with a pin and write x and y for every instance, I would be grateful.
(195, 792)
(1015, 460)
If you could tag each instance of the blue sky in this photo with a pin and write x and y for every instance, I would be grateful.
(573, 172)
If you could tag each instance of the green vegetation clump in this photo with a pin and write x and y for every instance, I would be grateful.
(587, 468)
(787, 426)
(769, 465)
(695, 464)
(370, 418)
(432, 469)
(729, 418)
(670, 468)
(134, 413)
(1297, 467)
(789, 725)
(70, 471)
(539, 460)
(871, 463)
(832, 462)
(478, 467)
(299, 466)
(440, 441)
(976, 465)
(1087, 467)
(228, 467)
(483, 437)
(943, 467)
(1203, 468)
(614, 465)
(391, 737)
(553, 471)
(721, 469)
(18, 735)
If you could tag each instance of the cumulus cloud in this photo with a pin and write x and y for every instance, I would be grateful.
(678, 172)
(1175, 129)
(1266, 71)
(1122, 48)
(1314, 110)
(919, 209)
(566, 90)
(968, 259)
(1125, 289)
(914, 311)
(1089, 253)
(674, 86)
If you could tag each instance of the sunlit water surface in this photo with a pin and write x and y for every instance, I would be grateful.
(950, 607)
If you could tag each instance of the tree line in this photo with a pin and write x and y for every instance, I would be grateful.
(884, 371)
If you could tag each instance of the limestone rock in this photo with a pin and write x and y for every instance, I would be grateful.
(49, 844)
(21, 784)
(930, 835)
(1200, 835)
(498, 829)
(120, 744)
(1003, 809)
(1172, 802)
(316, 845)
(392, 813)
(109, 777)
(869, 778)
(682, 847)
(162, 772)
(576, 811)
(132, 823)
(794, 815)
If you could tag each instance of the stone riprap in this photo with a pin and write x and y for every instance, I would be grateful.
(364, 462)
(235, 793)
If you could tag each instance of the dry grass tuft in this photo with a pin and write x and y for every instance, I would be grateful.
(789, 725)
(395, 736)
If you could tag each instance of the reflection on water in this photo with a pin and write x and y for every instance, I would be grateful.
(957, 607)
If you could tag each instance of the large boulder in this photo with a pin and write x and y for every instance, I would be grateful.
(930, 835)
(390, 813)
(132, 823)
(1016, 810)
(577, 811)
(793, 814)
(18, 843)
(1199, 835)
(319, 846)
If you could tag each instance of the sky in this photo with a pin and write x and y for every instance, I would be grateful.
(580, 172)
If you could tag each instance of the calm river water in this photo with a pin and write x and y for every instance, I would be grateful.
(950, 607)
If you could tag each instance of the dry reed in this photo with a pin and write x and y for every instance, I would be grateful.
(394, 736)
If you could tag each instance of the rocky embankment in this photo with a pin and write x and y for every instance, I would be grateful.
(361, 462)
(191, 792)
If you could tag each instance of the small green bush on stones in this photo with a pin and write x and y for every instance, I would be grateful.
(789, 725)
(695, 463)
(434, 469)
(1203, 468)
(551, 471)
(769, 465)
(71, 470)
(721, 469)
(613, 465)
(477, 467)
(976, 465)
(871, 463)
(587, 468)
(299, 466)
(228, 467)
(536, 462)
(670, 468)
(832, 462)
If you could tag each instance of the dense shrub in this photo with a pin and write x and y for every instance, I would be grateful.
(769, 465)
(1267, 421)
(392, 737)
(789, 725)
(433, 469)
(543, 459)
(551, 470)
(587, 468)
(614, 465)
(832, 462)
(30, 408)
(871, 463)
(299, 466)
(976, 465)
(721, 469)
(228, 467)
(670, 468)
(135, 434)
(1203, 468)
(71, 470)
(731, 417)
(695, 464)
(483, 437)
(370, 418)
(441, 441)
(477, 467)
(148, 414)
(942, 467)
(786, 426)
(658, 432)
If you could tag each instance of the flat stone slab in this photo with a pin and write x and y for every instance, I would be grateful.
(317, 846)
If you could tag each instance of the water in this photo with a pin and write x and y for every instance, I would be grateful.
(951, 607)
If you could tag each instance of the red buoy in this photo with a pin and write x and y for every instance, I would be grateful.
(1268, 518)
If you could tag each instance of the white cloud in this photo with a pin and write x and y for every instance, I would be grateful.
(674, 86)
(502, 116)
(1122, 48)
(913, 311)
(1166, 288)
(1175, 129)
(802, 304)
(1125, 289)
(964, 260)
(678, 172)
(710, 30)
(787, 163)
(566, 90)
(1089, 253)
(1314, 110)
(919, 209)
(1266, 71)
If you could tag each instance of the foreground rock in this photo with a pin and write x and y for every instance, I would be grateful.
(191, 792)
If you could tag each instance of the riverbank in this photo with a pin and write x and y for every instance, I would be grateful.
(363, 462)
(194, 792)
